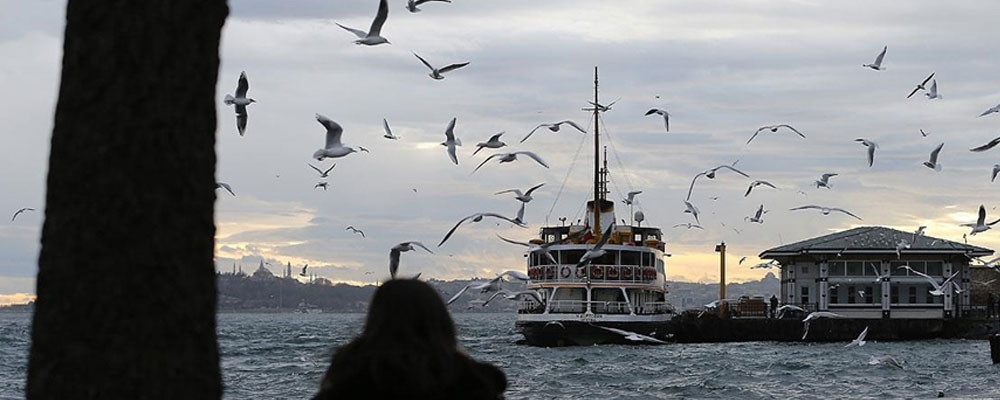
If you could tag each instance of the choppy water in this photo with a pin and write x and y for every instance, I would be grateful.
(282, 356)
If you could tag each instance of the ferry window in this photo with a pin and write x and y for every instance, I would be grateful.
(609, 258)
(913, 295)
(637, 238)
(550, 238)
(834, 296)
(630, 258)
(854, 267)
(895, 295)
(805, 295)
(935, 268)
(851, 295)
(570, 256)
(838, 268)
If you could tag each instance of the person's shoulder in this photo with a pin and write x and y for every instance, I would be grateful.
(482, 380)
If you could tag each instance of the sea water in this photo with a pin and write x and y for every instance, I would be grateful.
(283, 356)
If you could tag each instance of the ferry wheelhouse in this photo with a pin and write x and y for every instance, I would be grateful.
(611, 297)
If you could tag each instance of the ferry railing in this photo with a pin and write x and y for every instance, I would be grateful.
(568, 306)
(602, 273)
(606, 307)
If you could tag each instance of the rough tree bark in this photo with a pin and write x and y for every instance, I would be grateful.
(126, 281)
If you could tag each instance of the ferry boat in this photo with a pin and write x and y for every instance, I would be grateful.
(617, 297)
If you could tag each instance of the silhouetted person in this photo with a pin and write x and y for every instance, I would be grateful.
(990, 305)
(774, 305)
(408, 350)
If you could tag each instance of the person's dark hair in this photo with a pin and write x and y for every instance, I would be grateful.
(408, 347)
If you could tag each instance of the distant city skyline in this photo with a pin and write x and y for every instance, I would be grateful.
(722, 70)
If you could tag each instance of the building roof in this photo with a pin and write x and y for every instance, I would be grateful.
(874, 239)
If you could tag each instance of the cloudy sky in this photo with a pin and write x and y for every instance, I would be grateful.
(721, 68)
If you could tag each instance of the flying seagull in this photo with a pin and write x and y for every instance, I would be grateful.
(18, 212)
(451, 141)
(412, 4)
(218, 185)
(885, 360)
(774, 128)
(824, 181)
(787, 308)
(388, 132)
(981, 225)
(241, 101)
(321, 185)
(757, 183)
(374, 35)
(992, 110)
(630, 197)
(939, 289)
(689, 226)
(922, 133)
(996, 170)
(877, 65)
(322, 173)
(523, 197)
(333, 147)
(493, 285)
(690, 208)
(871, 149)
(493, 143)
(355, 230)
(479, 217)
(543, 248)
(860, 341)
(395, 251)
(817, 315)
(742, 259)
(765, 265)
(436, 73)
(993, 143)
(933, 93)
(598, 249)
(919, 232)
(631, 336)
(932, 163)
(710, 174)
(511, 157)
(825, 210)
(554, 128)
(921, 85)
(758, 217)
(663, 113)
(304, 267)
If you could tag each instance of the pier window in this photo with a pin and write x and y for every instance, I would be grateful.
(834, 295)
(805, 295)
(851, 295)
(894, 298)
(869, 294)
(838, 268)
(913, 294)
(935, 268)
(854, 267)
(896, 268)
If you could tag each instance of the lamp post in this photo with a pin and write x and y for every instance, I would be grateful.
(721, 249)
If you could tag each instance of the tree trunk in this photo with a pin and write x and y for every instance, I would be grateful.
(126, 281)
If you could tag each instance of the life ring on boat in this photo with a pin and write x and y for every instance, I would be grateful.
(564, 272)
(613, 273)
(533, 273)
(648, 274)
(581, 273)
(596, 272)
(550, 272)
(627, 273)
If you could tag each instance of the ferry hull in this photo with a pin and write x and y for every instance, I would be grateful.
(577, 333)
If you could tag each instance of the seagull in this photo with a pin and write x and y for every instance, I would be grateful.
(479, 217)
(710, 174)
(939, 288)
(600, 107)
(541, 248)
(922, 133)
(492, 286)
(981, 225)
(689, 226)
(630, 197)
(374, 35)
(523, 197)
(493, 143)
(758, 216)
(774, 128)
(886, 360)
(825, 210)
(241, 101)
(598, 249)
(996, 170)
(436, 72)
(992, 110)
(690, 208)
(860, 341)
(18, 212)
(993, 143)
(303, 273)
(663, 113)
(412, 4)
(514, 295)
(333, 148)
(788, 307)
(388, 132)
(511, 157)
(984, 283)
(878, 277)
(933, 93)
(901, 245)
(322, 173)
(742, 259)
(933, 162)
(218, 185)
(556, 323)
(877, 65)
(871, 149)
(517, 275)
(919, 232)
(921, 85)
(355, 230)
(321, 185)
(631, 336)
(765, 265)
(817, 315)
(451, 141)
(395, 251)
(554, 128)
(757, 183)
(824, 181)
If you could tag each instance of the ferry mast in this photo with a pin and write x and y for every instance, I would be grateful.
(597, 157)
